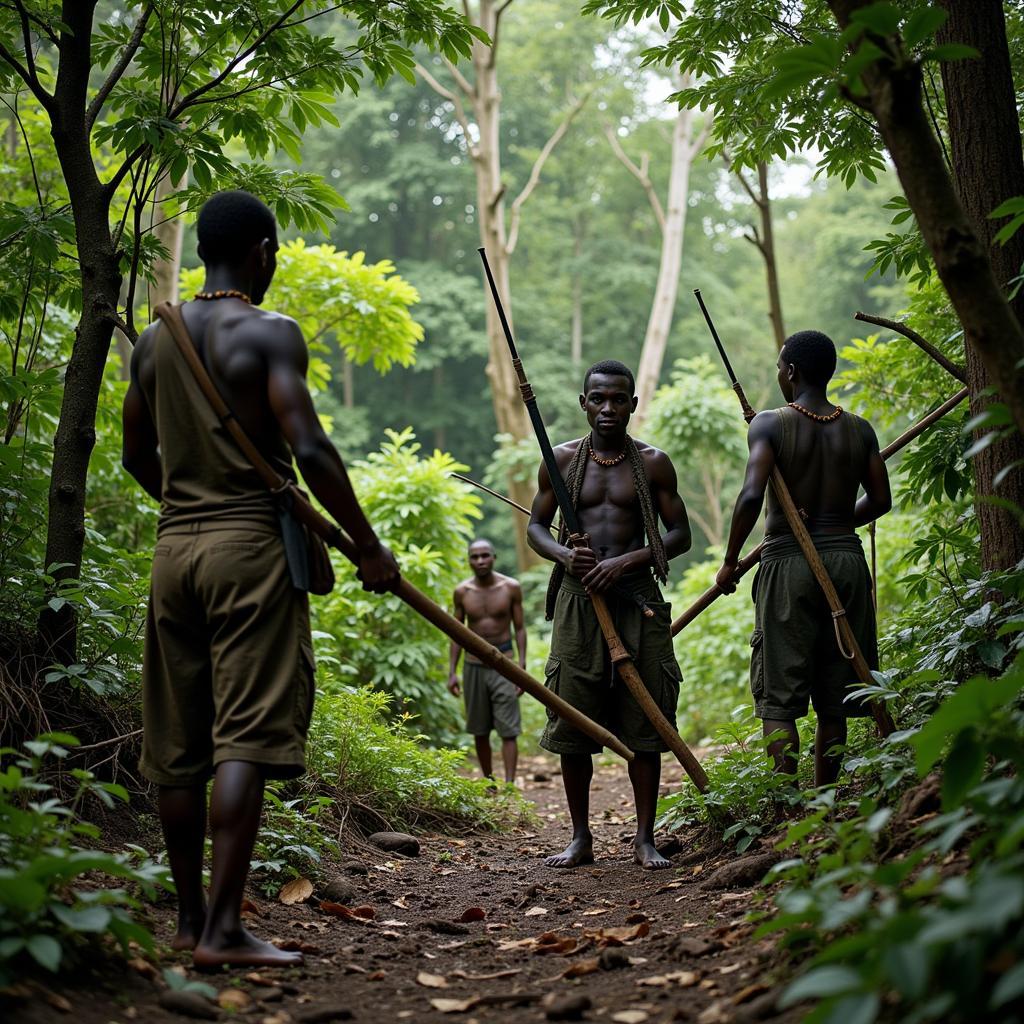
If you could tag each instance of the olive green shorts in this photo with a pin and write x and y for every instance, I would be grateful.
(795, 658)
(491, 702)
(580, 670)
(227, 672)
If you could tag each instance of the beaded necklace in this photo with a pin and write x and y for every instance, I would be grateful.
(222, 293)
(814, 416)
(605, 462)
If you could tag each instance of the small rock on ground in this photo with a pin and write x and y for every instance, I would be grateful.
(322, 1014)
(340, 890)
(189, 1004)
(567, 1007)
(396, 842)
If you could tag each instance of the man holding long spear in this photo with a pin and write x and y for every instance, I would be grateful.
(619, 488)
(825, 455)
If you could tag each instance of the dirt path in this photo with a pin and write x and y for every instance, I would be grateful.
(619, 943)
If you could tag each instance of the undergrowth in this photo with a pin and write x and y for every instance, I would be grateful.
(901, 897)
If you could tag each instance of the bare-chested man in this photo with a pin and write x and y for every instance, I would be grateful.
(825, 455)
(227, 677)
(492, 604)
(620, 488)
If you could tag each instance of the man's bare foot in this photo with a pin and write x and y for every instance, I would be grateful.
(187, 936)
(241, 949)
(579, 851)
(648, 858)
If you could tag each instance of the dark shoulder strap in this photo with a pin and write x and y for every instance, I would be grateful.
(175, 323)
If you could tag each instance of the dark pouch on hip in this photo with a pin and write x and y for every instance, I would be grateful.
(309, 564)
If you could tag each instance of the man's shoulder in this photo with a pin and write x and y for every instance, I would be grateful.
(567, 449)
(268, 328)
(654, 459)
(508, 581)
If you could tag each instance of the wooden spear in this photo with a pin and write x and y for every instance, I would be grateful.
(333, 535)
(748, 561)
(847, 642)
(619, 655)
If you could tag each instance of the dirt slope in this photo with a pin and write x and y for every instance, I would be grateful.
(621, 944)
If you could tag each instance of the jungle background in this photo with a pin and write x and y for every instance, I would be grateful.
(394, 139)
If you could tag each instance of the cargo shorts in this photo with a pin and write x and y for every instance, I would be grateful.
(795, 659)
(228, 663)
(580, 671)
(492, 702)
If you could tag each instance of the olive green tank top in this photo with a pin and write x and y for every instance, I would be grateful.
(206, 476)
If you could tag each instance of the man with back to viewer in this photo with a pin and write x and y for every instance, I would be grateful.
(825, 455)
(227, 675)
(492, 603)
(619, 487)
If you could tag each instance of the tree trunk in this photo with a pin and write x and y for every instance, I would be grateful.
(894, 95)
(576, 326)
(169, 232)
(509, 411)
(988, 168)
(652, 355)
(767, 247)
(101, 284)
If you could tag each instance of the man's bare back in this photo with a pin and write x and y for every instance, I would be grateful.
(824, 467)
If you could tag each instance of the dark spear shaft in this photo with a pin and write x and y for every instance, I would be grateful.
(619, 655)
(844, 633)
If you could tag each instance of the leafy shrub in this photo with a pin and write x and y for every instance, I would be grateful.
(293, 838)
(48, 908)
(921, 921)
(379, 775)
(379, 640)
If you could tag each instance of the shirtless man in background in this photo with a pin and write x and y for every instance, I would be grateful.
(825, 455)
(491, 604)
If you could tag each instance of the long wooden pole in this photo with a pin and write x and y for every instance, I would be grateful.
(748, 561)
(333, 535)
(847, 642)
(620, 657)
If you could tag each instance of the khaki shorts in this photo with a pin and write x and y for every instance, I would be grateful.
(579, 669)
(228, 666)
(491, 702)
(795, 659)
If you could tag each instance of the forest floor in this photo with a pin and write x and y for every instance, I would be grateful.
(477, 929)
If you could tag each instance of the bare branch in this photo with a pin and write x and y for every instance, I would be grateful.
(493, 55)
(538, 166)
(455, 100)
(460, 79)
(640, 173)
(926, 346)
(27, 76)
(119, 68)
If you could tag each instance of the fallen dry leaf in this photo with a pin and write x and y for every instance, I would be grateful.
(486, 977)
(249, 907)
(630, 1016)
(298, 890)
(594, 911)
(400, 903)
(431, 980)
(746, 994)
(684, 979)
(582, 967)
(234, 999)
(143, 967)
(453, 1005)
(729, 968)
(535, 912)
(473, 914)
(395, 924)
(363, 915)
(618, 936)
